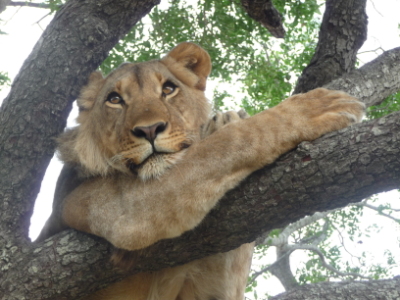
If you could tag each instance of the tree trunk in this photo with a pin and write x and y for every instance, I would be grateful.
(343, 31)
(35, 111)
(265, 13)
(74, 44)
(281, 269)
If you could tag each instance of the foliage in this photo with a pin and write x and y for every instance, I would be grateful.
(389, 105)
(258, 67)
(55, 5)
(4, 80)
(340, 246)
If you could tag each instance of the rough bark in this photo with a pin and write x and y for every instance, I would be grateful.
(281, 270)
(3, 5)
(75, 44)
(371, 290)
(263, 11)
(374, 81)
(35, 111)
(343, 31)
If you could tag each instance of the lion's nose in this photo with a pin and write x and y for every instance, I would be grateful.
(149, 132)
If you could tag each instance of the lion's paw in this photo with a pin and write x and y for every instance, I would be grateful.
(320, 111)
(220, 119)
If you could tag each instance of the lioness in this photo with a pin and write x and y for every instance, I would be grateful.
(155, 165)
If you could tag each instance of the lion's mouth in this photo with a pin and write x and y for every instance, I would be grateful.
(155, 158)
(155, 165)
(132, 166)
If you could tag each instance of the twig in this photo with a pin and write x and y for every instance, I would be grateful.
(317, 238)
(38, 22)
(380, 212)
(325, 264)
(29, 4)
(341, 238)
(369, 51)
(373, 4)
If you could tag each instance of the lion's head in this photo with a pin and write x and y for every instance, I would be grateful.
(141, 117)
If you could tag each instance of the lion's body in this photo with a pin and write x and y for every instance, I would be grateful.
(156, 165)
(218, 277)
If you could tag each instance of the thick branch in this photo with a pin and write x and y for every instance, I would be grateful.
(343, 31)
(283, 236)
(371, 290)
(264, 12)
(3, 5)
(281, 269)
(73, 45)
(374, 81)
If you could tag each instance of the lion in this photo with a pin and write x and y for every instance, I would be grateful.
(151, 164)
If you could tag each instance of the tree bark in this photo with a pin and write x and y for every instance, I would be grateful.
(264, 12)
(35, 112)
(343, 31)
(73, 45)
(371, 290)
(281, 269)
(3, 5)
(374, 81)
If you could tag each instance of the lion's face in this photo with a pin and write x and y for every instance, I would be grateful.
(141, 117)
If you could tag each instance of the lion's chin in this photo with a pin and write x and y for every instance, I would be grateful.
(157, 164)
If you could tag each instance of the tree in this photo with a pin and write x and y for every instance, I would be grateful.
(340, 168)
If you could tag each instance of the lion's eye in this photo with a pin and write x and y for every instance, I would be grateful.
(168, 88)
(114, 98)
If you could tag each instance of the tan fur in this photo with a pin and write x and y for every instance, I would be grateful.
(139, 191)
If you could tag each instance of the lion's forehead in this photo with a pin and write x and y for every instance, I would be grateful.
(140, 75)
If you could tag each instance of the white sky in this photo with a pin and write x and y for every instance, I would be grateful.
(23, 32)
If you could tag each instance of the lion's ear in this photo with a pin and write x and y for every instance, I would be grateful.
(189, 56)
(89, 92)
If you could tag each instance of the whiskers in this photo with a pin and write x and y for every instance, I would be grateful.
(147, 163)
(122, 157)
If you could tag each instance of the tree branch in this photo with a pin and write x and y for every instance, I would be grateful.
(28, 4)
(3, 5)
(378, 210)
(265, 13)
(288, 230)
(323, 261)
(343, 31)
(255, 275)
(64, 54)
(374, 81)
(375, 289)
